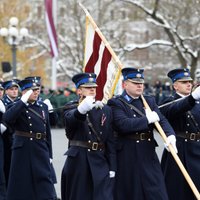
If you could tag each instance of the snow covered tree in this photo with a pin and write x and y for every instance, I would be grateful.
(178, 23)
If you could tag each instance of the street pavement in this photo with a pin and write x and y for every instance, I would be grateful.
(60, 144)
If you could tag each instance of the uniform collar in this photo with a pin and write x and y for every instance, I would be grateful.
(181, 95)
(8, 99)
(128, 98)
(34, 103)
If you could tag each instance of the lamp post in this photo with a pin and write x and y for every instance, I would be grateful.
(13, 35)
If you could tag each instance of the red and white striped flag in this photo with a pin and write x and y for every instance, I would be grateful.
(51, 28)
(99, 60)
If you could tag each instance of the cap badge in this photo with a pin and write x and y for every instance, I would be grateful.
(138, 75)
(90, 80)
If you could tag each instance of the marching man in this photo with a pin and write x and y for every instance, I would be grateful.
(89, 170)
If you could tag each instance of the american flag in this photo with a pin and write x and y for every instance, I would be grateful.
(99, 60)
(51, 28)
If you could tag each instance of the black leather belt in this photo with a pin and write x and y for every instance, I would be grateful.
(139, 136)
(90, 145)
(189, 136)
(38, 136)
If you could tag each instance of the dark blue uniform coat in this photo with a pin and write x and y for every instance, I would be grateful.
(139, 174)
(53, 119)
(2, 176)
(85, 174)
(7, 140)
(188, 151)
(30, 173)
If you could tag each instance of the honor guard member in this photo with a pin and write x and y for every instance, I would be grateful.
(184, 117)
(11, 88)
(2, 130)
(30, 173)
(139, 174)
(53, 117)
(91, 161)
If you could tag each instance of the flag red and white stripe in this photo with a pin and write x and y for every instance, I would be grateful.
(51, 27)
(99, 60)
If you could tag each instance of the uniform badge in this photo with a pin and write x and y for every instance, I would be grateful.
(138, 75)
(103, 119)
(43, 114)
(90, 80)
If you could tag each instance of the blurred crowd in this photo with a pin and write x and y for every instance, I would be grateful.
(159, 90)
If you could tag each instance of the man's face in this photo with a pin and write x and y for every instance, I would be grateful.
(34, 96)
(12, 92)
(183, 87)
(1, 93)
(133, 89)
(86, 91)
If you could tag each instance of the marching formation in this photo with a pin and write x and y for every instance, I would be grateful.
(111, 150)
(110, 139)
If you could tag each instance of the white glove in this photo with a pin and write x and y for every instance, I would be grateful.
(2, 107)
(50, 160)
(48, 103)
(99, 104)
(196, 93)
(86, 105)
(111, 174)
(26, 96)
(2, 128)
(171, 139)
(152, 116)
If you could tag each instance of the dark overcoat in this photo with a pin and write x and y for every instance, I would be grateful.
(188, 150)
(2, 175)
(139, 174)
(85, 174)
(30, 174)
(7, 140)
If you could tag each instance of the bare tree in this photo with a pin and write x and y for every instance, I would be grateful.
(179, 22)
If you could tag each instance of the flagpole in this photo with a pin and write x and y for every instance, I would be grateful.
(106, 43)
(53, 61)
